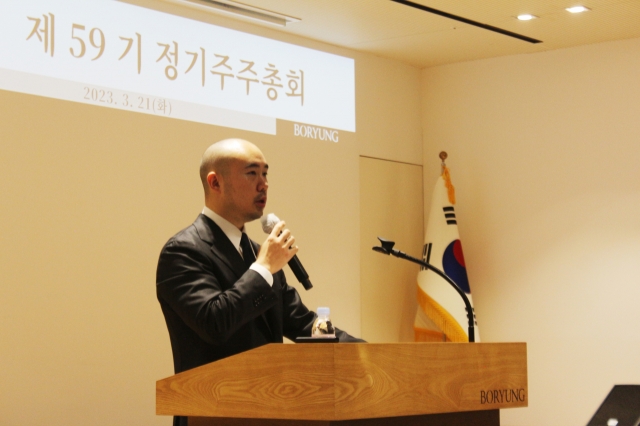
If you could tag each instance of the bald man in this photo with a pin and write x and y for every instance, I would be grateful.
(222, 294)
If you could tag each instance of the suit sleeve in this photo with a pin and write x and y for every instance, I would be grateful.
(206, 298)
(298, 320)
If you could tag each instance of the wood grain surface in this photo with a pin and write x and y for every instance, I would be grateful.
(273, 381)
(378, 380)
(332, 382)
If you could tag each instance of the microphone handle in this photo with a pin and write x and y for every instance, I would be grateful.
(300, 273)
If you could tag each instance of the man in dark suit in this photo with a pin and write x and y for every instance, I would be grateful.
(220, 293)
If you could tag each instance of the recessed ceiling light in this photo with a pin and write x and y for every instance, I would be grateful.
(526, 17)
(577, 9)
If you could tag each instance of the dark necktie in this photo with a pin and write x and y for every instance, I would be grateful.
(247, 250)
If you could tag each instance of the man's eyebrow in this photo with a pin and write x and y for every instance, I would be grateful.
(256, 165)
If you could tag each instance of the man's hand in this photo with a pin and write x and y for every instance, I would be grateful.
(278, 249)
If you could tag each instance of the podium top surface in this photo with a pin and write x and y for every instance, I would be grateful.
(351, 381)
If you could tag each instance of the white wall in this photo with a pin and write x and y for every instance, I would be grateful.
(544, 152)
(390, 207)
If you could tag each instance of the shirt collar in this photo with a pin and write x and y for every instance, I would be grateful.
(229, 229)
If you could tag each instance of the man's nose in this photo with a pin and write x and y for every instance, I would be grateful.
(263, 183)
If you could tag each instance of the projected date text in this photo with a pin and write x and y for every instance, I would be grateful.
(123, 100)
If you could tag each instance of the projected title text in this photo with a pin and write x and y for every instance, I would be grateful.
(44, 30)
(123, 56)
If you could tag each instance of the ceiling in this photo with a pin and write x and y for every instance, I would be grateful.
(422, 39)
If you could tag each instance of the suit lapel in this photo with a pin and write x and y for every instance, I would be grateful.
(228, 254)
(220, 245)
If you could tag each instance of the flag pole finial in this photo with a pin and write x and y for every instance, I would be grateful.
(451, 192)
(443, 156)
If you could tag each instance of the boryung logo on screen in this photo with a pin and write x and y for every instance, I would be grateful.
(319, 133)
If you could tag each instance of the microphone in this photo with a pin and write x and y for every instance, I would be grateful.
(268, 222)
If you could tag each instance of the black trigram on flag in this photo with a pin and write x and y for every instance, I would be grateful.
(450, 215)
(426, 255)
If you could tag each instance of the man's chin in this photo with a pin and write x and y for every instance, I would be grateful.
(257, 215)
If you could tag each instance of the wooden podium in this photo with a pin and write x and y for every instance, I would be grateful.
(352, 384)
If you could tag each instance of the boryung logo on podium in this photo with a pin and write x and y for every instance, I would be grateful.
(502, 396)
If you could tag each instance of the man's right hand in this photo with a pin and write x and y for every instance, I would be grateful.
(278, 249)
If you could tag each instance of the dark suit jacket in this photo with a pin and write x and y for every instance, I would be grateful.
(213, 306)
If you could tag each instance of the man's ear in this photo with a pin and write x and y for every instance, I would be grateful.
(213, 180)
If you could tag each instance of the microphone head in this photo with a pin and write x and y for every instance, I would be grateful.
(268, 222)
